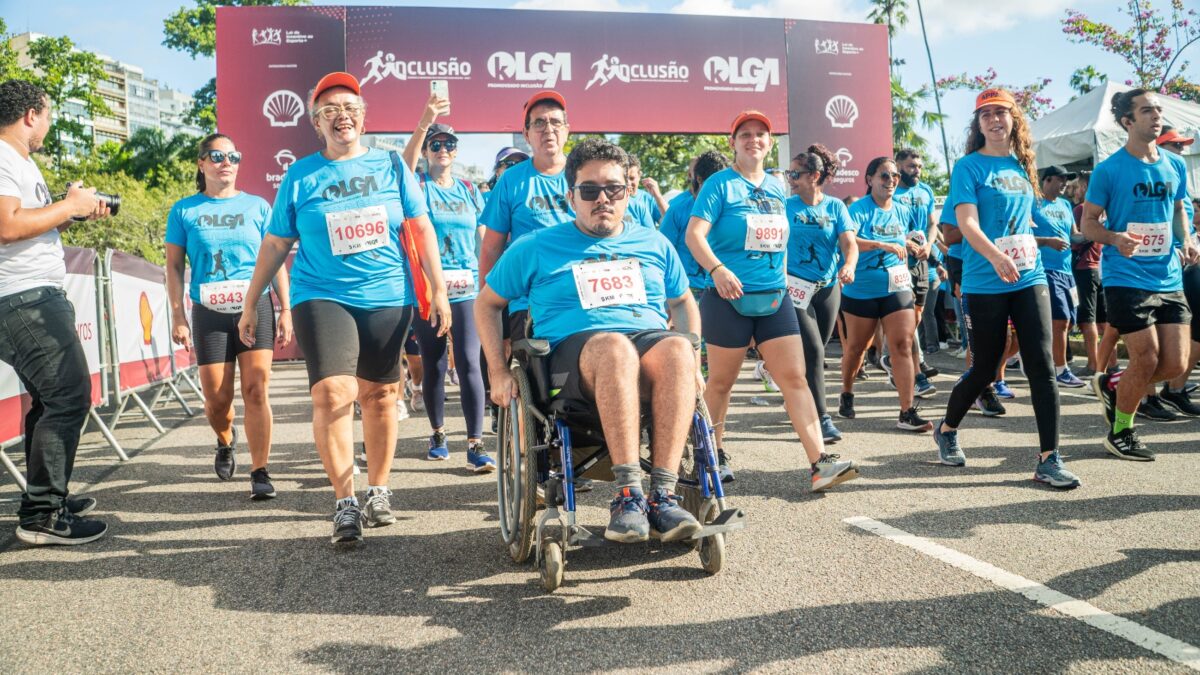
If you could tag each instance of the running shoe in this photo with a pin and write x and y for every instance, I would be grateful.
(225, 461)
(760, 371)
(1068, 379)
(988, 404)
(829, 432)
(627, 521)
(583, 484)
(668, 520)
(417, 402)
(401, 409)
(452, 375)
(949, 453)
(61, 528)
(1127, 445)
(1085, 373)
(846, 406)
(1002, 390)
(437, 447)
(378, 511)
(873, 357)
(831, 470)
(1052, 472)
(1106, 396)
(1180, 401)
(723, 469)
(1152, 408)
(80, 506)
(479, 460)
(929, 371)
(911, 421)
(960, 353)
(347, 524)
(886, 364)
(862, 374)
(260, 485)
(923, 387)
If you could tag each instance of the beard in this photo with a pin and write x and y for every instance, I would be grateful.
(908, 180)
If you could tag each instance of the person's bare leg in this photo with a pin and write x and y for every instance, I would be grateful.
(1011, 347)
(859, 332)
(255, 367)
(378, 403)
(899, 327)
(785, 358)
(333, 430)
(1058, 344)
(1091, 338)
(1106, 353)
(1180, 382)
(216, 381)
(724, 364)
(668, 379)
(1155, 354)
(608, 371)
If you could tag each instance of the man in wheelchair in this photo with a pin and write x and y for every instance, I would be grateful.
(600, 293)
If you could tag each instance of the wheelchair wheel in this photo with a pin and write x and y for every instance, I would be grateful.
(693, 499)
(516, 478)
(712, 548)
(552, 565)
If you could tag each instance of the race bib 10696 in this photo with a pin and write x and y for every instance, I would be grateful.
(609, 282)
(1022, 248)
(226, 297)
(767, 232)
(357, 230)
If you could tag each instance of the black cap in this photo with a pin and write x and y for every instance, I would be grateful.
(1056, 170)
(440, 130)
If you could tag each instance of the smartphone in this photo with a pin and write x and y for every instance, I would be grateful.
(441, 88)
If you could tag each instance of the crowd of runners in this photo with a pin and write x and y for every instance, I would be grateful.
(582, 250)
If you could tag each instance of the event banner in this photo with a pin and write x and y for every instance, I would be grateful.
(141, 330)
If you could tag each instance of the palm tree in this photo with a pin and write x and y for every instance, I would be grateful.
(937, 98)
(148, 152)
(907, 116)
(894, 15)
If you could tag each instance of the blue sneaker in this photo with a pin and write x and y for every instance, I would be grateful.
(1002, 389)
(437, 447)
(1052, 472)
(479, 460)
(627, 523)
(829, 432)
(668, 520)
(947, 443)
(1068, 379)
(923, 388)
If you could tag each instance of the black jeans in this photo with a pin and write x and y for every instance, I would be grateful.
(38, 339)
(987, 322)
(816, 326)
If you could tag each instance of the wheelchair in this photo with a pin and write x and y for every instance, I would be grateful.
(545, 443)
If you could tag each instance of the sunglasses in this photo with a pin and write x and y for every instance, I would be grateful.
(218, 156)
(510, 163)
(590, 193)
(450, 146)
(795, 175)
(889, 176)
(1175, 145)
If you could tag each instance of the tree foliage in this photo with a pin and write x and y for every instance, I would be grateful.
(150, 156)
(1086, 79)
(9, 70)
(665, 157)
(908, 118)
(1029, 96)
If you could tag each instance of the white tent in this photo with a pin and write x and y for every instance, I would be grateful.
(1083, 132)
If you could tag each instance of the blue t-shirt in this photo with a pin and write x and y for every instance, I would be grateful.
(454, 212)
(812, 252)
(935, 257)
(949, 218)
(725, 200)
(1133, 191)
(919, 198)
(221, 236)
(638, 211)
(1000, 189)
(1054, 219)
(540, 267)
(674, 228)
(525, 200)
(876, 224)
(312, 194)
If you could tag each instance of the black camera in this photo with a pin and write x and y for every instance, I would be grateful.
(112, 201)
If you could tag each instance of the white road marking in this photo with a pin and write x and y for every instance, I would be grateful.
(1175, 650)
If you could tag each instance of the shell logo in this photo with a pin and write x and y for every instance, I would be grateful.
(147, 317)
(841, 111)
(283, 108)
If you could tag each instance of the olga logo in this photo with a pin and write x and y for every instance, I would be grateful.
(841, 111)
(516, 70)
(358, 186)
(753, 74)
(266, 36)
(283, 108)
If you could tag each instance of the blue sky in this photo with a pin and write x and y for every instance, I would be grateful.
(1021, 39)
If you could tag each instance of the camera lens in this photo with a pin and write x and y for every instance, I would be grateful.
(112, 201)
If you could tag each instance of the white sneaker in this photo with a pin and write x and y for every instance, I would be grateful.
(417, 402)
(760, 371)
(401, 409)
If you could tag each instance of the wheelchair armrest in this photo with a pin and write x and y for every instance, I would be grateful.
(531, 347)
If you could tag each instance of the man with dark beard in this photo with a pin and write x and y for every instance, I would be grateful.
(918, 196)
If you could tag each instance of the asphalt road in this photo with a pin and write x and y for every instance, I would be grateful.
(195, 577)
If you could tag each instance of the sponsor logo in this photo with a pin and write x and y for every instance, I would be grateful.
(229, 220)
(540, 70)
(283, 108)
(359, 186)
(146, 316)
(1154, 190)
(835, 47)
(610, 68)
(734, 74)
(381, 67)
(284, 158)
(266, 36)
(844, 175)
(549, 203)
(841, 111)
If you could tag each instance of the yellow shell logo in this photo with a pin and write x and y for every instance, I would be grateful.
(147, 316)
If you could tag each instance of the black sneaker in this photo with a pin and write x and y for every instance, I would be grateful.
(989, 404)
(260, 485)
(61, 528)
(347, 525)
(1106, 396)
(723, 469)
(911, 421)
(928, 370)
(1151, 408)
(1180, 401)
(873, 357)
(846, 406)
(1127, 445)
(79, 506)
(225, 463)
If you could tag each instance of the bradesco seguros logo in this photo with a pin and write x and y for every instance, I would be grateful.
(736, 74)
(520, 70)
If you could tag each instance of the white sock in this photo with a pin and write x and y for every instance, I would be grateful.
(372, 489)
(346, 501)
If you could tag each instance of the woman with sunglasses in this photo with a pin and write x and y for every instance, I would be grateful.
(1003, 280)
(506, 159)
(881, 292)
(738, 233)
(454, 208)
(218, 231)
(820, 227)
(354, 301)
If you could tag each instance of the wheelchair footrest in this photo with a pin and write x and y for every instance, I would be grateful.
(581, 536)
(727, 521)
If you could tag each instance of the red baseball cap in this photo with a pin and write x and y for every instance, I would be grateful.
(332, 80)
(1174, 136)
(746, 116)
(995, 97)
(545, 95)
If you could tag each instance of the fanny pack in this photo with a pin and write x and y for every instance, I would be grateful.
(759, 303)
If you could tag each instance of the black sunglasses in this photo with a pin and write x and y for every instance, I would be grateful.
(510, 163)
(437, 146)
(888, 175)
(590, 193)
(218, 156)
(795, 175)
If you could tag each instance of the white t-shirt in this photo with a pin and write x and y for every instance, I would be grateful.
(32, 262)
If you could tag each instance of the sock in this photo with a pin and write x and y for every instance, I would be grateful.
(628, 475)
(372, 489)
(1114, 379)
(346, 501)
(1173, 390)
(663, 478)
(1122, 421)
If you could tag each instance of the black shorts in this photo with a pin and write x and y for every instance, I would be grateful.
(920, 282)
(565, 381)
(877, 308)
(954, 270)
(723, 326)
(1091, 307)
(1191, 289)
(1132, 309)
(342, 340)
(215, 334)
(516, 324)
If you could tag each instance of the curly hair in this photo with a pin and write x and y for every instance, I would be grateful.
(708, 163)
(1020, 143)
(18, 97)
(819, 160)
(595, 150)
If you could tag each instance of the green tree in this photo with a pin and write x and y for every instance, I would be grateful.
(9, 70)
(150, 156)
(194, 30)
(665, 157)
(1086, 79)
(894, 15)
(908, 117)
(66, 74)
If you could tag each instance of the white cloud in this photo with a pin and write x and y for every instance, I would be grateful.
(958, 17)
(817, 10)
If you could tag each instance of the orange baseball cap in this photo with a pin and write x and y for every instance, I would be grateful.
(995, 97)
(332, 80)
(746, 116)
(545, 95)
(1174, 136)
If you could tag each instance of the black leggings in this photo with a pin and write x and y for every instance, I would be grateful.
(466, 362)
(816, 327)
(987, 318)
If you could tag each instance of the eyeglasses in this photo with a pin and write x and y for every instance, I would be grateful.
(889, 176)
(1175, 145)
(795, 175)
(510, 163)
(218, 156)
(590, 193)
(553, 124)
(333, 110)
(450, 146)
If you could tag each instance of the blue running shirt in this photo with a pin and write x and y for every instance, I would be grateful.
(221, 236)
(813, 251)
(525, 200)
(730, 203)
(454, 212)
(674, 228)
(639, 212)
(1054, 219)
(876, 224)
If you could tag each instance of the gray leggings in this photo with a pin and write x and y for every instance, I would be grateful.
(816, 327)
